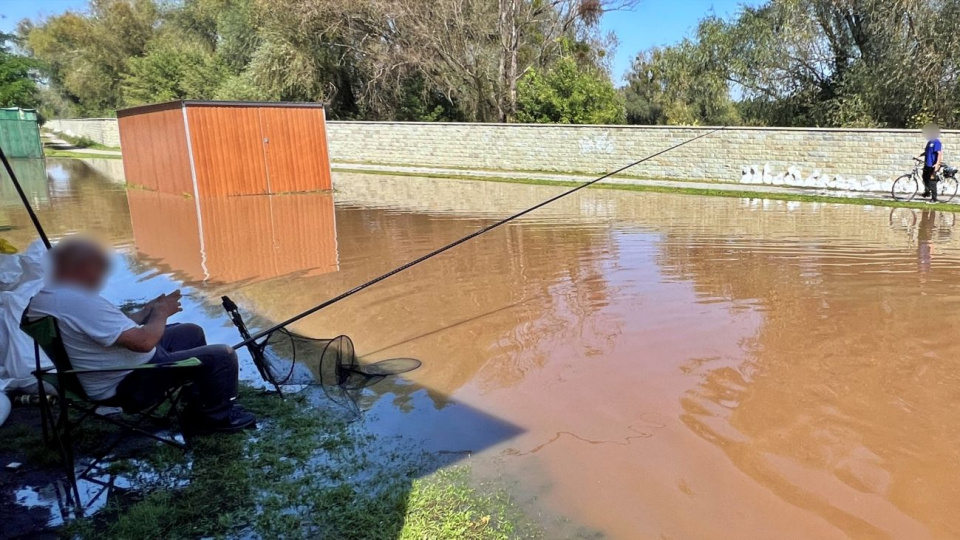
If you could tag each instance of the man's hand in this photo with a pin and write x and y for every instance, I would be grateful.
(142, 316)
(167, 305)
(144, 338)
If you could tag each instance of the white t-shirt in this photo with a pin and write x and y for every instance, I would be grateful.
(89, 327)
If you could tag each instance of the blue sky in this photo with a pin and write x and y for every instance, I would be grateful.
(11, 11)
(653, 22)
(661, 22)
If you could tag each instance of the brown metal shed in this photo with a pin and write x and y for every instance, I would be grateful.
(226, 148)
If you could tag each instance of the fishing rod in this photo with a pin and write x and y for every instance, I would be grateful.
(248, 339)
(26, 202)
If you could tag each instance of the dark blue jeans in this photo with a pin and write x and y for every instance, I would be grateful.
(211, 387)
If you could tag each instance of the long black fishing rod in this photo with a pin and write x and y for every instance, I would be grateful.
(26, 202)
(251, 339)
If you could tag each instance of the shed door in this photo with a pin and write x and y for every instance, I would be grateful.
(228, 154)
(295, 144)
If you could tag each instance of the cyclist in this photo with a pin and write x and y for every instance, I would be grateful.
(932, 157)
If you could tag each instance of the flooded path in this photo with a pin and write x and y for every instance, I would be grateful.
(676, 366)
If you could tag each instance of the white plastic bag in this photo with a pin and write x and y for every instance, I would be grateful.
(4, 408)
(21, 277)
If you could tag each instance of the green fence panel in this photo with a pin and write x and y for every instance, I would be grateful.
(20, 133)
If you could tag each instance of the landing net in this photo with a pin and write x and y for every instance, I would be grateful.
(284, 358)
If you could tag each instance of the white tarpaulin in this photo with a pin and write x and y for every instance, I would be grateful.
(21, 277)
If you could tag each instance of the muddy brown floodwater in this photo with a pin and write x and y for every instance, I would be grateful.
(678, 367)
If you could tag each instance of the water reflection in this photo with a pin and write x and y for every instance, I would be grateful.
(32, 174)
(235, 239)
(646, 365)
(69, 197)
(211, 246)
(844, 401)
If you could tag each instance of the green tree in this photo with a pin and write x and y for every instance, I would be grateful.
(171, 71)
(86, 55)
(864, 63)
(685, 84)
(367, 59)
(18, 74)
(829, 63)
(569, 94)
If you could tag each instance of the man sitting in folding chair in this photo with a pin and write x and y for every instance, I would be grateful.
(97, 335)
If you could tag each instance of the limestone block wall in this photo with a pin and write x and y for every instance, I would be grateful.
(104, 131)
(851, 159)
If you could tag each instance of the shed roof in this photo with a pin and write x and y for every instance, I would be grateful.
(141, 109)
(18, 113)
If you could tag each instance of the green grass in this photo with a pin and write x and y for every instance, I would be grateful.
(20, 438)
(466, 169)
(304, 474)
(465, 175)
(709, 192)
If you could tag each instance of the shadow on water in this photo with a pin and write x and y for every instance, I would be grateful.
(208, 247)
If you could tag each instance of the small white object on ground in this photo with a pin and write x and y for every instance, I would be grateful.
(4, 408)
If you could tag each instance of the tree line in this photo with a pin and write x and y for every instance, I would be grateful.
(466, 60)
(837, 63)
(844, 63)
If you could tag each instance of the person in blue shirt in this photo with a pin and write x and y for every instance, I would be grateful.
(932, 157)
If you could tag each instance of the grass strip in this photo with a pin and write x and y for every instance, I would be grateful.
(681, 190)
(47, 152)
(81, 141)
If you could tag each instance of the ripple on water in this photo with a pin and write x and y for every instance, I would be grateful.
(674, 366)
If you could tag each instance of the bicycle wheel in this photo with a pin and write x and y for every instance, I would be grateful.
(947, 189)
(903, 218)
(905, 188)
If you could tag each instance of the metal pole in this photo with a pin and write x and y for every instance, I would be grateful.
(26, 202)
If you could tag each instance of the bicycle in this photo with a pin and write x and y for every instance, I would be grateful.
(907, 186)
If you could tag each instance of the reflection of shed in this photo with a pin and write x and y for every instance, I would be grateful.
(32, 174)
(231, 239)
(225, 148)
(20, 133)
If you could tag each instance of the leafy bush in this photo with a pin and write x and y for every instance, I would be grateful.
(568, 94)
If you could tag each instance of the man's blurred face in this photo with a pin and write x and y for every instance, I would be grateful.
(81, 263)
(92, 273)
(931, 132)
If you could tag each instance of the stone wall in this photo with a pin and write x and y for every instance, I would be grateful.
(100, 130)
(853, 159)
(824, 158)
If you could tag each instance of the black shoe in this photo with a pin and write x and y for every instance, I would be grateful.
(925, 194)
(238, 420)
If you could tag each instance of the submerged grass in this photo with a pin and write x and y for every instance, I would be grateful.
(304, 474)
(82, 142)
(681, 190)
(47, 152)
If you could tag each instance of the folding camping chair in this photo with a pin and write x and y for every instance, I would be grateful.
(62, 377)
